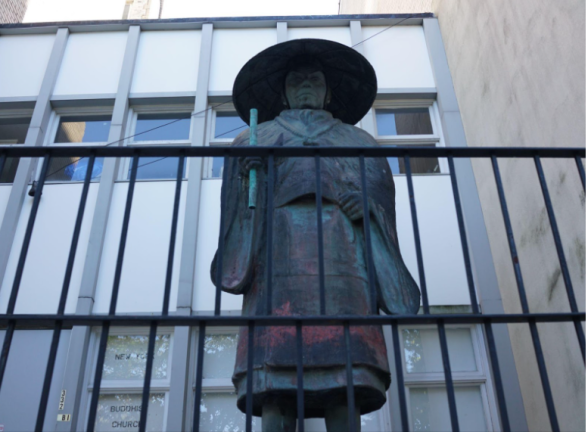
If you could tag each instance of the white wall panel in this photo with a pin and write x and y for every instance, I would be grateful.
(44, 270)
(440, 241)
(4, 194)
(231, 49)
(145, 261)
(167, 61)
(399, 56)
(337, 34)
(23, 60)
(208, 230)
(91, 63)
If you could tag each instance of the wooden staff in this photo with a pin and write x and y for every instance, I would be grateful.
(252, 172)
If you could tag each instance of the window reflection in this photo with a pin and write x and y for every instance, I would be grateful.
(417, 165)
(12, 131)
(157, 168)
(73, 169)
(228, 125)
(218, 412)
(422, 351)
(122, 412)
(429, 409)
(86, 129)
(162, 127)
(404, 121)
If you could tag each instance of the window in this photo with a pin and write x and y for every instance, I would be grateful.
(218, 406)
(425, 383)
(224, 127)
(70, 128)
(119, 403)
(408, 125)
(13, 130)
(158, 128)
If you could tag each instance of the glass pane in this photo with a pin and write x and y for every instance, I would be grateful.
(162, 127)
(158, 168)
(228, 125)
(417, 165)
(218, 163)
(219, 355)
(403, 121)
(12, 131)
(9, 171)
(429, 409)
(219, 412)
(73, 169)
(126, 357)
(123, 411)
(422, 352)
(87, 129)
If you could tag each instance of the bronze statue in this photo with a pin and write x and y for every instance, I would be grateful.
(311, 92)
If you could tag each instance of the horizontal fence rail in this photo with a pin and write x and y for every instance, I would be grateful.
(11, 322)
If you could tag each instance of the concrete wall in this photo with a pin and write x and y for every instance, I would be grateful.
(519, 74)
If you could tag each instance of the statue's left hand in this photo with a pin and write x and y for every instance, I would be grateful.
(352, 205)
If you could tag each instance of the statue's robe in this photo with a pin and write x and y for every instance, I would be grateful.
(295, 281)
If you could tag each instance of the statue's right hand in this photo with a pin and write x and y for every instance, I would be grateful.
(249, 163)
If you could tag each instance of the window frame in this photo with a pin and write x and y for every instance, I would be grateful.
(482, 377)
(132, 117)
(109, 387)
(15, 114)
(54, 119)
(435, 139)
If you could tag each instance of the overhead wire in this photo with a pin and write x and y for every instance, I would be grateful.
(205, 110)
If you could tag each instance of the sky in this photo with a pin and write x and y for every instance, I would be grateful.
(83, 10)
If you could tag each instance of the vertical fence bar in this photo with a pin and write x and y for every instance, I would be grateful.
(199, 369)
(544, 376)
(147, 379)
(368, 238)
(417, 236)
(448, 379)
(497, 377)
(523, 296)
(220, 250)
(270, 232)
(350, 388)
(561, 256)
(166, 295)
(20, 267)
(578, 164)
(249, 396)
(2, 161)
(173, 234)
(510, 236)
(114, 296)
(400, 378)
(63, 298)
(299, 377)
(463, 237)
(319, 227)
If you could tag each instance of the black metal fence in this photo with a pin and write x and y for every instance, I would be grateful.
(59, 321)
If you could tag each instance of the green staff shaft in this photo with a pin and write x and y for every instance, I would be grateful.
(252, 172)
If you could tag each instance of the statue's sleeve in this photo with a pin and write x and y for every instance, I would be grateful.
(398, 293)
(238, 234)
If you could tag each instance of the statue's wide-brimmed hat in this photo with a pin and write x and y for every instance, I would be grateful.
(351, 78)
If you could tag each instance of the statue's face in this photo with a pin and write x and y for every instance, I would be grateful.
(306, 88)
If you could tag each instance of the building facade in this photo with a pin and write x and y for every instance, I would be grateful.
(12, 11)
(169, 83)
